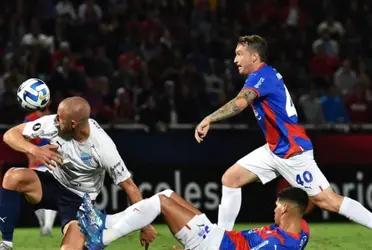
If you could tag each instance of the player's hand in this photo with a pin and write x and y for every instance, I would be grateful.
(47, 155)
(148, 235)
(202, 129)
(176, 248)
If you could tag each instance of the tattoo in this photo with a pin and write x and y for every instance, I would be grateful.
(248, 95)
(228, 110)
(235, 106)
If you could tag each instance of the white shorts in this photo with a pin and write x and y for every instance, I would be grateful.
(299, 170)
(200, 234)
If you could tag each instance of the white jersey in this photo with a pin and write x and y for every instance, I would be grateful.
(84, 163)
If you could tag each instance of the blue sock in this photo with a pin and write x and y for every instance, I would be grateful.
(9, 209)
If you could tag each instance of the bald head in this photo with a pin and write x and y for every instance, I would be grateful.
(76, 108)
(72, 118)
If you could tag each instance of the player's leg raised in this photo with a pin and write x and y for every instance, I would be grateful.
(25, 181)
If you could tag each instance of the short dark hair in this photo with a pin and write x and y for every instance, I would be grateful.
(257, 43)
(295, 195)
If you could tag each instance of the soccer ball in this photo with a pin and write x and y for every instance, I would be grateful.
(33, 94)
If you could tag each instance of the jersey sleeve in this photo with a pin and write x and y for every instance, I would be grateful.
(113, 163)
(258, 83)
(43, 128)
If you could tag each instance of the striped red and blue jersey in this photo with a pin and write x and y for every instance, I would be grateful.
(276, 114)
(269, 237)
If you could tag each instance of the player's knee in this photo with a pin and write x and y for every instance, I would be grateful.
(328, 200)
(12, 179)
(229, 180)
(72, 237)
(165, 202)
(167, 193)
(163, 199)
(326, 205)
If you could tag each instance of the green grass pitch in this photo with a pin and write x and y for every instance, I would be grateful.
(323, 236)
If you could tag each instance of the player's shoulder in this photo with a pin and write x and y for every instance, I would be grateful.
(94, 124)
(98, 135)
(265, 73)
(305, 227)
(268, 71)
(43, 127)
(32, 116)
(47, 120)
(97, 131)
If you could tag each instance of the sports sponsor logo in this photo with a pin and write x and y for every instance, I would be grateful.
(36, 126)
(262, 244)
(303, 241)
(59, 144)
(256, 114)
(259, 83)
(3, 219)
(117, 165)
(51, 134)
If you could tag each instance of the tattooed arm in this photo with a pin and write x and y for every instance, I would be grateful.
(235, 106)
(232, 108)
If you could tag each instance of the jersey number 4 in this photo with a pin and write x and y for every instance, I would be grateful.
(289, 106)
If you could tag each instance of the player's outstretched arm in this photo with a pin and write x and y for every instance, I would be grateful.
(47, 154)
(131, 189)
(232, 108)
(14, 138)
(235, 106)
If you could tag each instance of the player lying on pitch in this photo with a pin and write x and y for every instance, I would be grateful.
(193, 229)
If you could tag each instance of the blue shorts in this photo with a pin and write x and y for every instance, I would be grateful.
(56, 197)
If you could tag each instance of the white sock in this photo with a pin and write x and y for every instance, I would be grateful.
(40, 216)
(229, 208)
(356, 212)
(133, 218)
(8, 243)
(49, 217)
(112, 219)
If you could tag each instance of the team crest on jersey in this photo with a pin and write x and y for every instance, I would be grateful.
(85, 157)
(203, 230)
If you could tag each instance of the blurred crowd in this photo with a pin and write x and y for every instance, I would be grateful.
(161, 62)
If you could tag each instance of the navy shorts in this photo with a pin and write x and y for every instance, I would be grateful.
(56, 197)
